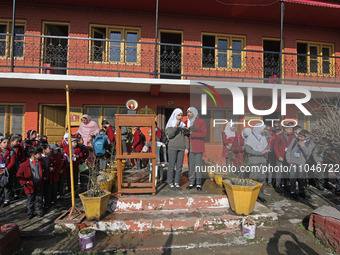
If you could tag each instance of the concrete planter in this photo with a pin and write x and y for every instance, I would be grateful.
(242, 199)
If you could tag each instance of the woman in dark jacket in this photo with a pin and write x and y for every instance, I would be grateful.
(178, 146)
(198, 131)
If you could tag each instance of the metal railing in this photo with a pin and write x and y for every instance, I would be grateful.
(100, 57)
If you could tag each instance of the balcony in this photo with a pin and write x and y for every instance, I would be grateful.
(99, 57)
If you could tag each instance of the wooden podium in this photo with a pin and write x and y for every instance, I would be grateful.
(133, 120)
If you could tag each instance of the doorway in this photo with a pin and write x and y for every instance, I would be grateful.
(170, 55)
(55, 53)
(274, 115)
(53, 121)
(271, 59)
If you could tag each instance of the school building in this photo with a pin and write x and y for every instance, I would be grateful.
(111, 51)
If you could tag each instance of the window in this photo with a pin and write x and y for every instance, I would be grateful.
(98, 113)
(309, 123)
(12, 119)
(223, 52)
(315, 58)
(5, 39)
(112, 44)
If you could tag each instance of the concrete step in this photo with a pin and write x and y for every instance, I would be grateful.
(197, 219)
(131, 203)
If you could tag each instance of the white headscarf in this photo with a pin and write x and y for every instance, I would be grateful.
(256, 140)
(195, 113)
(246, 133)
(228, 132)
(66, 138)
(173, 120)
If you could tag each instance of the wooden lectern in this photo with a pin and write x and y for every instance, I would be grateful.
(133, 120)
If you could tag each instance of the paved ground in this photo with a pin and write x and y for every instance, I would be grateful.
(289, 237)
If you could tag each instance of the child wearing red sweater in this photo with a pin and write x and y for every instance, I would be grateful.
(32, 175)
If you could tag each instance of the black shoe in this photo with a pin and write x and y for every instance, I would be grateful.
(172, 187)
(294, 196)
(6, 203)
(30, 216)
(190, 187)
(177, 187)
(199, 188)
(279, 190)
(303, 195)
(261, 199)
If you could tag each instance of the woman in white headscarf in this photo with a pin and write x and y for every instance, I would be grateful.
(257, 149)
(178, 145)
(198, 131)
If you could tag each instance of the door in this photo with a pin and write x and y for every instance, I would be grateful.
(53, 123)
(271, 59)
(170, 55)
(55, 51)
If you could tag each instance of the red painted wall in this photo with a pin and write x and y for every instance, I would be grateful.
(192, 28)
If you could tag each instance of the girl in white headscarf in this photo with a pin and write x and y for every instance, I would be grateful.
(198, 131)
(178, 146)
(257, 149)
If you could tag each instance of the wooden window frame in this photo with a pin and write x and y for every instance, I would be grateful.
(230, 39)
(123, 45)
(319, 58)
(8, 49)
(307, 121)
(8, 117)
(101, 110)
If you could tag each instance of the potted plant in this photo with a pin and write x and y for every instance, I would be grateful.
(95, 199)
(86, 238)
(242, 194)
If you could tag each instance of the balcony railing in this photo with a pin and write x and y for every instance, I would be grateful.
(99, 57)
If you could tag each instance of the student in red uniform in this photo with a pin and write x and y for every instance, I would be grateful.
(271, 156)
(137, 146)
(76, 159)
(48, 162)
(109, 131)
(197, 131)
(237, 147)
(64, 169)
(19, 151)
(20, 157)
(54, 175)
(32, 175)
(30, 141)
(281, 144)
(84, 176)
(7, 164)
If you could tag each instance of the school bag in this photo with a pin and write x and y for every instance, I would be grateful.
(164, 138)
(4, 178)
(99, 145)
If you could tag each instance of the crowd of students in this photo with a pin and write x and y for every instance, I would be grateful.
(43, 169)
(289, 146)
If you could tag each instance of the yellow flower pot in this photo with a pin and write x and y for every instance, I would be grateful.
(211, 174)
(108, 184)
(242, 199)
(218, 179)
(94, 207)
(115, 164)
